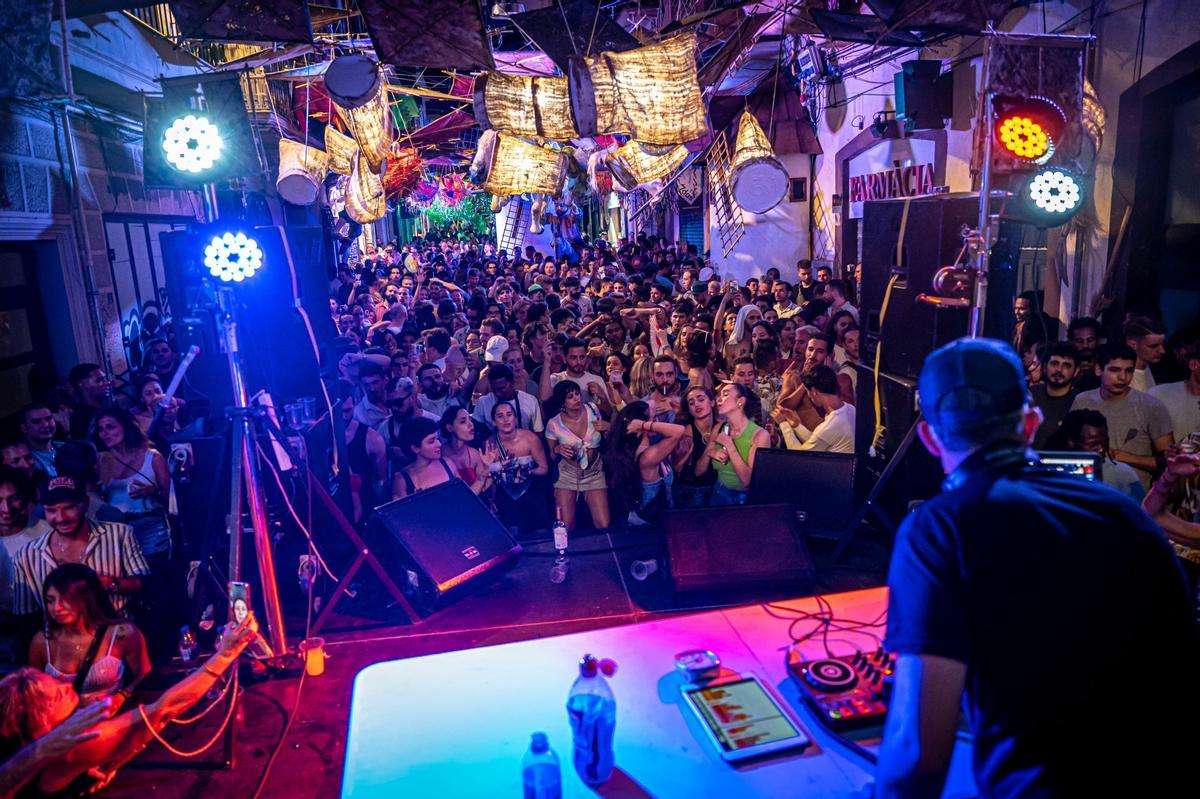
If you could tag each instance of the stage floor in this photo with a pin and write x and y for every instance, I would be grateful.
(522, 605)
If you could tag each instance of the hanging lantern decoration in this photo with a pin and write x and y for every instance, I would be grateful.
(403, 171)
(651, 93)
(365, 200)
(342, 151)
(758, 180)
(524, 105)
(518, 167)
(356, 87)
(301, 171)
(636, 163)
(594, 103)
(426, 192)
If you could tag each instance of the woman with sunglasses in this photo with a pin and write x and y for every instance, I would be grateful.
(732, 449)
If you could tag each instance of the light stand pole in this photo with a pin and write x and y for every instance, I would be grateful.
(244, 476)
(983, 235)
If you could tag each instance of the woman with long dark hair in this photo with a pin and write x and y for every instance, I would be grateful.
(638, 466)
(135, 480)
(419, 440)
(699, 414)
(84, 642)
(731, 451)
(574, 433)
(518, 465)
(458, 431)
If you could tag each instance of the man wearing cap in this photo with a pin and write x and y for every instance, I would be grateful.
(1030, 590)
(108, 548)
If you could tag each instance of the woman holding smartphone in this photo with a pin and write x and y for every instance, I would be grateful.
(732, 449)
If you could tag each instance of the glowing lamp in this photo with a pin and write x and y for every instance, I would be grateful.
(1055, 192)
(1026, 128)
(233, 257)
(1023, 137)
(192, 144)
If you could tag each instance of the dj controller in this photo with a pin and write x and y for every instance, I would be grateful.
(847, 691)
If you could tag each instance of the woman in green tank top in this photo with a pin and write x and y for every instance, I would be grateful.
(732, 448)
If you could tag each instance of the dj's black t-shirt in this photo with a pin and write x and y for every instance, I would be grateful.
(1067, 605)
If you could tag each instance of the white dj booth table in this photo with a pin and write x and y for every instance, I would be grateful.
(456, 724)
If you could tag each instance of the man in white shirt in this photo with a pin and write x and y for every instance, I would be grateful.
(1183, 398)
(1148, 338)
(504, 389)
(835, 433)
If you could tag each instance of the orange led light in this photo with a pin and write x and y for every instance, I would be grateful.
(1023, 137)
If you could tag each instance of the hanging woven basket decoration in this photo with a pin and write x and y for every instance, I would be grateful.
(301, 171)
(652, 93)
(524, 105)
(359, 94)
(365, 200)
(758, 180)
(519, 167)
(635, 164)
(342, 151)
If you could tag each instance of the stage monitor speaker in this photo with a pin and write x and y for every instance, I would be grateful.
(442, 542)
(932, 239)
(735, 547)
(271, 333)
(818, 485)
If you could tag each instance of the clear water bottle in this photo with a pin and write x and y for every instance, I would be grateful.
(187, 645)
(539, 770)
(558, 572)
(592, 711)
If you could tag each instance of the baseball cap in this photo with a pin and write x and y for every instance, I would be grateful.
(969, 383)
(495, 349)
(63, 489)
(535, 287)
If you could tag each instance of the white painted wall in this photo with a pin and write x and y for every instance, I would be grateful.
(777, 238)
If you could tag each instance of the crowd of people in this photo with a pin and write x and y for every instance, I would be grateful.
(625, 382)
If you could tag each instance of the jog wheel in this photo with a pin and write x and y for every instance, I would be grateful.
(830, 676)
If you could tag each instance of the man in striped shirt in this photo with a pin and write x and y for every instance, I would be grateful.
(108, 548)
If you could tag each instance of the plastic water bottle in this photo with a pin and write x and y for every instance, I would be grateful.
(592, 711)
(539, 770)
(558, 572)
(187, 645)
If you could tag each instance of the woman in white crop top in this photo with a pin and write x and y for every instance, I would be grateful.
(80, 619)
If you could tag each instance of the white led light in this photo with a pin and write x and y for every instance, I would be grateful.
(233, 257)
(192, 144)
(1055, 191)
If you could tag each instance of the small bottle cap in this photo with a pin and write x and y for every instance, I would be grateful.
(539, 742)
(608, 667)
(588, 666)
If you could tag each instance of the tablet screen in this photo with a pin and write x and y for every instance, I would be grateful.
(741, 714)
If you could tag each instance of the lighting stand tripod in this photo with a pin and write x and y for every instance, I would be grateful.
(245, 487)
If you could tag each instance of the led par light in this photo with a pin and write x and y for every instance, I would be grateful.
(192, 144)
(1026, 128)
(233, 257)
(1054, 194)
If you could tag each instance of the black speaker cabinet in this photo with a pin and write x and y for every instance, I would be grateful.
(818, 485)
(735, 547)
(932, 239)
(444, 539)
(276, 353)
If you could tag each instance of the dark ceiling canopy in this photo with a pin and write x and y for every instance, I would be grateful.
(566, 28)
(284, 21)
(445, 34)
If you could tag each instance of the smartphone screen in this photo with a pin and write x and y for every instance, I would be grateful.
(239, 602)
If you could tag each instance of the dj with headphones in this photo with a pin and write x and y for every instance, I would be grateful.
(1054, 603)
